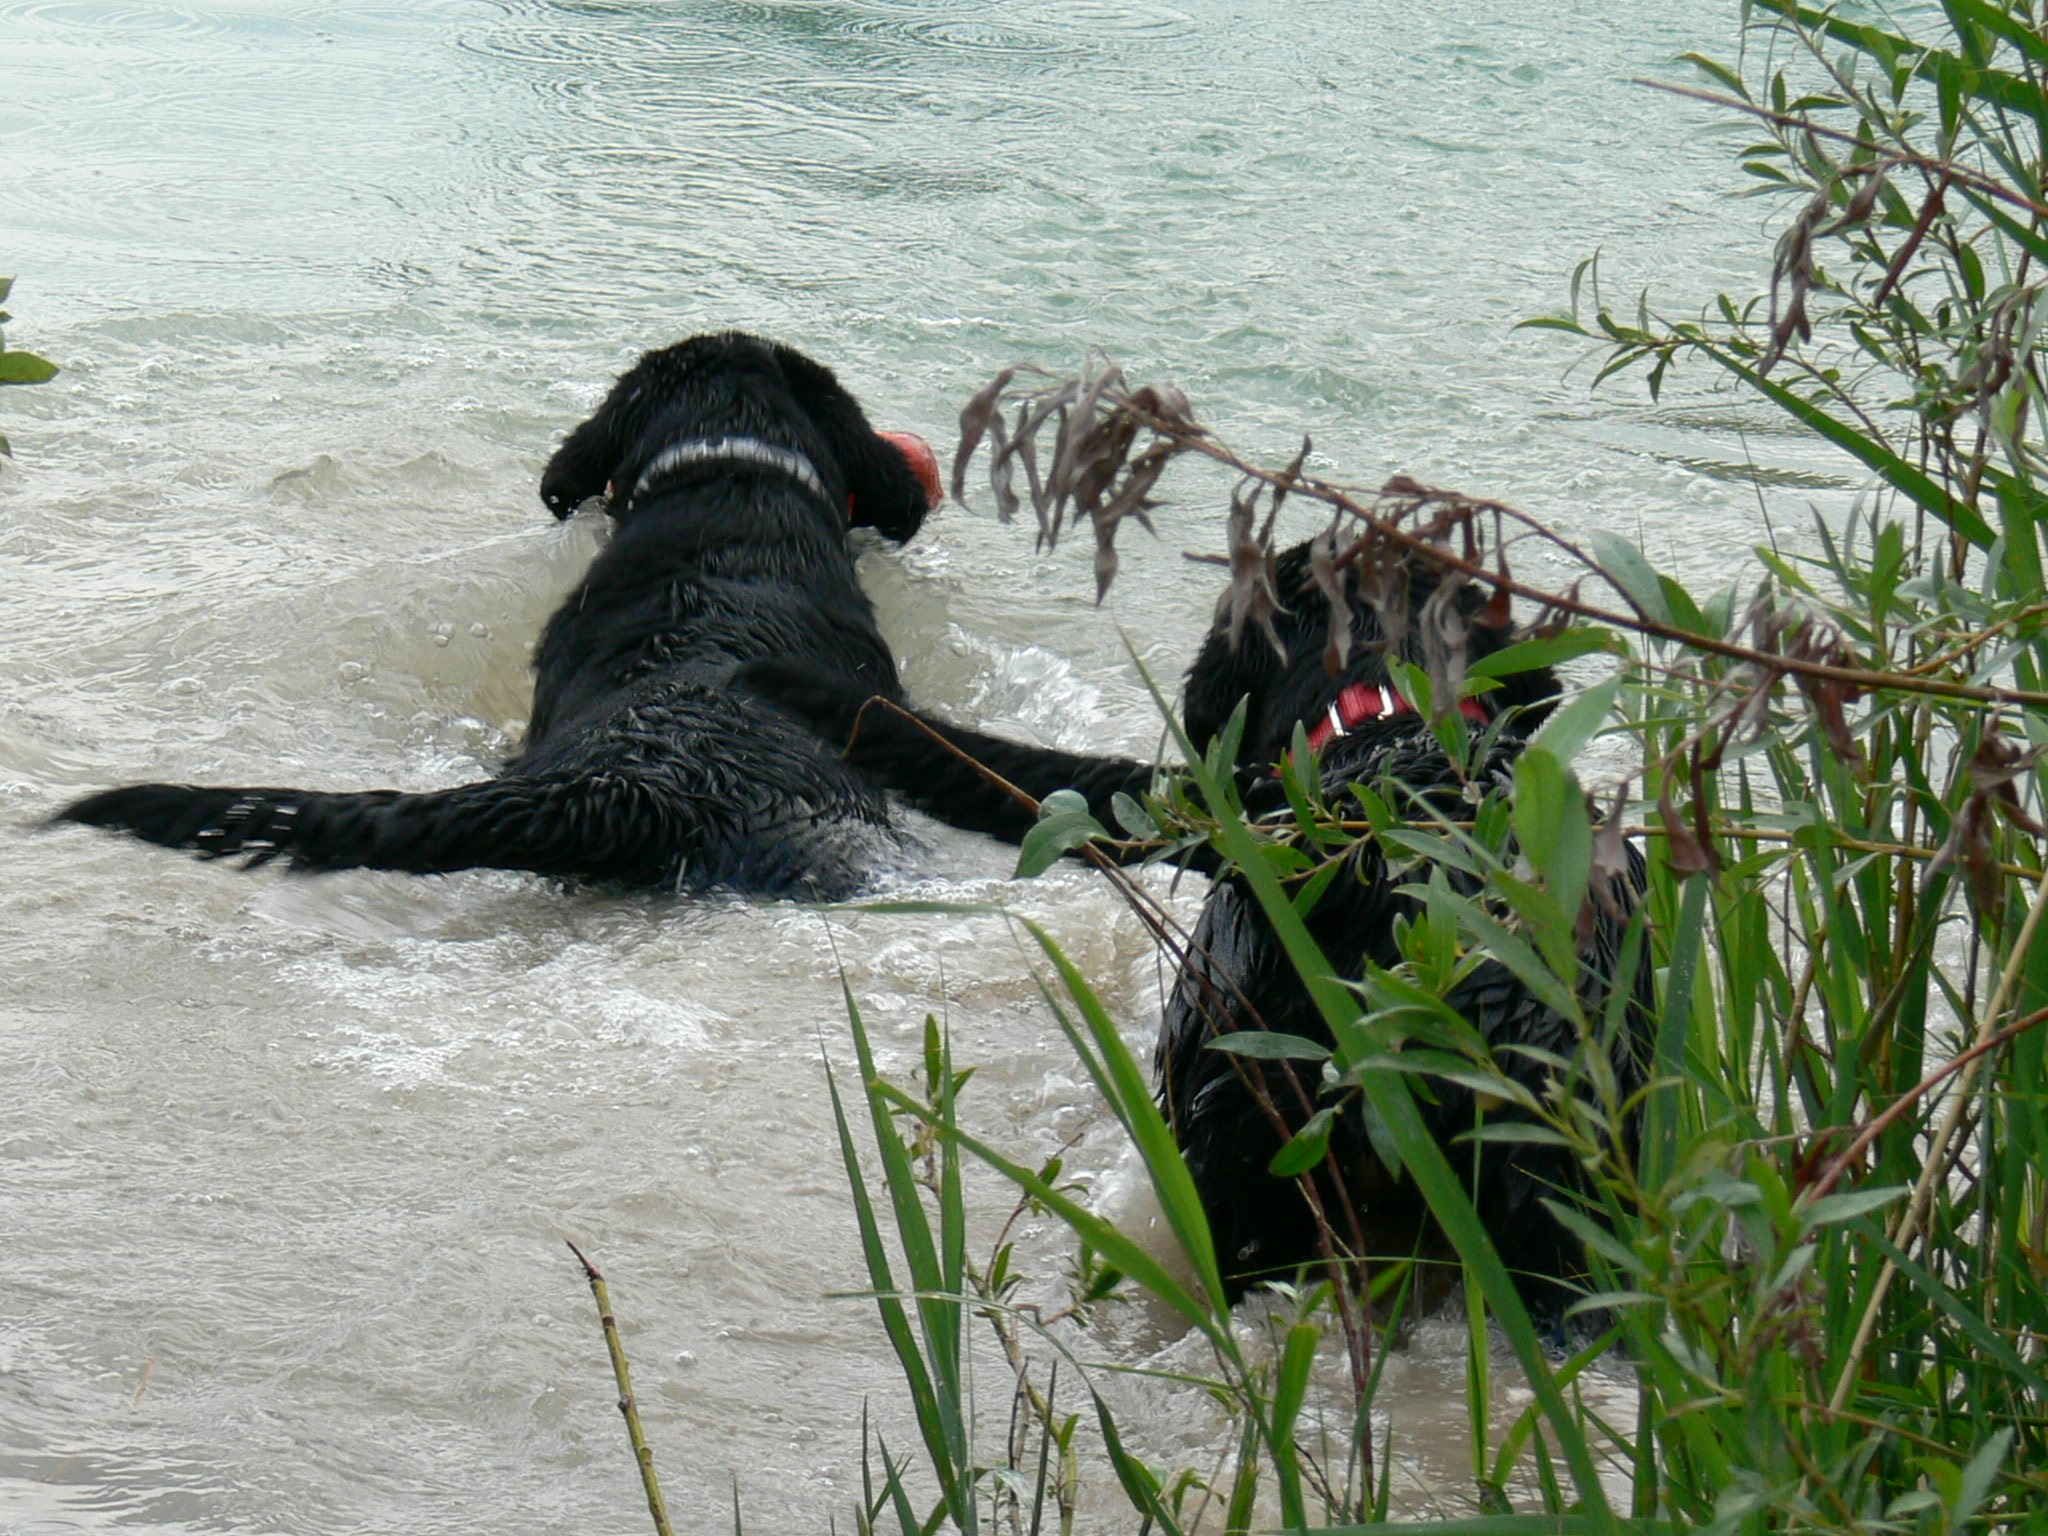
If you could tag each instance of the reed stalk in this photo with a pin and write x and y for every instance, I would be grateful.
(629, 1407)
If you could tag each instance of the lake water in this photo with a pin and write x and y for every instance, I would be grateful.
(285, 1164)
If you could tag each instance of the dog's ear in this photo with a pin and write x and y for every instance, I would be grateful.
(1223, 676)
(1533, 692)
(582, 467)
(589, 458)
(888, 493)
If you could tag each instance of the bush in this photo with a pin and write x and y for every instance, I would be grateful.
(1825, 1268)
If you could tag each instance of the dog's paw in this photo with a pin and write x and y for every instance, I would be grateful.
(212, 822)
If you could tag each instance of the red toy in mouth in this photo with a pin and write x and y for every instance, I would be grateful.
(923, 461)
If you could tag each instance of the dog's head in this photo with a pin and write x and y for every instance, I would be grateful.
(729, 385)
(1289, 682)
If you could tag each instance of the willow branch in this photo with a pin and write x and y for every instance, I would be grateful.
(1347, 498)
(1960, 175)
(1879, 1124)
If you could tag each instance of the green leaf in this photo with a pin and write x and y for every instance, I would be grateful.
(1402, 1128)
(1830, 1209)
(1502, 1525)
(1064, 823)
(1528, 655)
(1132, 816)
(1953, 77)
(1270, 1045)
(25, 368)
(1103, 1236)
(1515, 953)
(1624, 564)
(1989, 1342)
(1972, 266)
(1977, 1476)
(1139, 1485)
(934, 1402)
(1990, 17)
(1517, 1133)
(1556, 834)
(1290, 1391)
(1123, 1085)
(1244, 1490)
(1483, 1084)
(1308, 1147)
(1720, 73)
(1914, 483)
(1661, 1111)
(1571, 726)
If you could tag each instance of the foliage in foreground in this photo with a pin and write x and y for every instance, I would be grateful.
(17, 366)
(1826, 1266)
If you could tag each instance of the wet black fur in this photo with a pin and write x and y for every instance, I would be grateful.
(1237, 977)
(644, 765)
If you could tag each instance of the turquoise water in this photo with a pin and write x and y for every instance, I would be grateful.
(285, 1164)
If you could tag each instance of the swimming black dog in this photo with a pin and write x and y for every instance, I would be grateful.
(1231, 1114)
(732, 468)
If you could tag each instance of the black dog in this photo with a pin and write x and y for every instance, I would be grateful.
(1223, 1108)
(732, 469)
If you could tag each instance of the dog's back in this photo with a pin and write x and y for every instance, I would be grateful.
(732, 469)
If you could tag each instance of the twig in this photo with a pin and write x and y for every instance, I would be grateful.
(1959, 174)
(1863, 679)
(1878, 1124)
(643, 1453)
(1169, 934)
(141, 1386)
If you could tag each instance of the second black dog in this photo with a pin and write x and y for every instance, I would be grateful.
(732, 469)
(1222, 1107)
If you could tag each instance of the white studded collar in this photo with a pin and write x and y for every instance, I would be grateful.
(745, 450)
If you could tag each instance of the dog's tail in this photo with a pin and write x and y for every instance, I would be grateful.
(602, 827)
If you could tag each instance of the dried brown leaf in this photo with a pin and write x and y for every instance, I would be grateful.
(1329, 580)
(1002, 469)
(1499, 611)
(974, 420)
(1685, 853)
(1611, 873)
(1253, 597)
(1929, 211)
(1446, 640)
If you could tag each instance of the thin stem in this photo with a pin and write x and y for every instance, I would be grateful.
(1862, 679)
(643, 1453)
(1931, 163)
(1880, 1123)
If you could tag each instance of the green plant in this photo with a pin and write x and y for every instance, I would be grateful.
(919, 1141)
(1826, 1266)
(1845, 759)
(16, 366)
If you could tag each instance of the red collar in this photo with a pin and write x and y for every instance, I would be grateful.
(1372, 701)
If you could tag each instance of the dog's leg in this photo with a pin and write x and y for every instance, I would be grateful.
(957, 775)
(605, 827)
(983, 783)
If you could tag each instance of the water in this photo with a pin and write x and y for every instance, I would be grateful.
(285, 1164)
